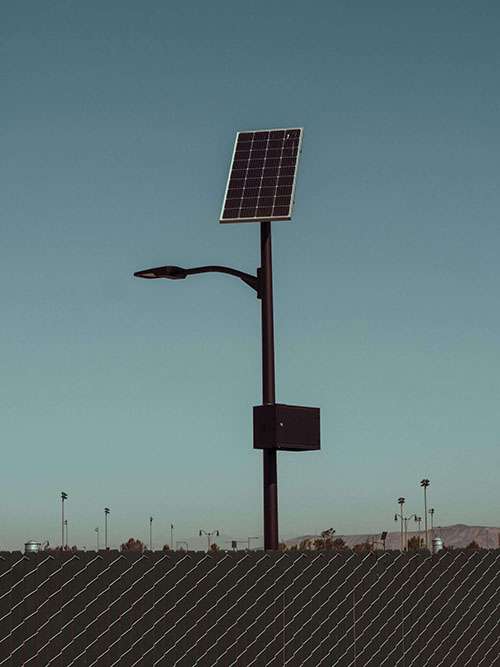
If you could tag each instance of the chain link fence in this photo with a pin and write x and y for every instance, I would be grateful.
(250, 608)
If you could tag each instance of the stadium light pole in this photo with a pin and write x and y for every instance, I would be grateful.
(64, 496)
(66, 528)
(151, 533)
(106, 513)
(96, 529)
(424, 484)
(262, 283)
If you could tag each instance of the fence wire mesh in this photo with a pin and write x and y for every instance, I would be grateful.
(247, 609)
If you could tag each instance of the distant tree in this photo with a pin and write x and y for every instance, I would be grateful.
(57, 550)
(166, 547)
(415, 543)
(473, 545)
(214, 548)
(339, 544)
(282, 546)
(325, 541)
(292, 547)
(363, 547)
(133, 545)
(306, 544)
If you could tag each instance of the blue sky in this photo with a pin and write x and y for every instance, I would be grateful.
(117, 124)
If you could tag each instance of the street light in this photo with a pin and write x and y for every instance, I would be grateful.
(418, 519)
(424, 484)
(283, 423)
(209, 535)
(106, 512)
(64, 496)
(431, 513)
(401, 502)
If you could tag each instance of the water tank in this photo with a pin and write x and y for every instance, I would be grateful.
(437, 544)
(32, 547)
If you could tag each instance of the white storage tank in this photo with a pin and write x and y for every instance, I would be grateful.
(437, 544)
(32, 547)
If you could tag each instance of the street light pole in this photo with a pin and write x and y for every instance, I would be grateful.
(270, 471)
(401, 502)
(172, 536)
(431, 512)
(64, 496)
(97, 536)
(424, 484)
(106, 512)
(418, 519)
(262, 283)
(151, 533)
(66, 527)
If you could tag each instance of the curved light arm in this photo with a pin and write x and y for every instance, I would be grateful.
(179, 273)
(251, 281)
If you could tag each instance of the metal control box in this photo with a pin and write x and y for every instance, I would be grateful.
(291, 428)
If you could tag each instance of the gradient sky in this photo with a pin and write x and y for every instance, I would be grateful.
(117, 122)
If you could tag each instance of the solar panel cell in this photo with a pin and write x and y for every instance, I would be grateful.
(262, 176)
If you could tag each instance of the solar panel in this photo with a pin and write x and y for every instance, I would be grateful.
(261, 181)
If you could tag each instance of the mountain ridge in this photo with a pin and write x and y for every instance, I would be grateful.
(457, 535)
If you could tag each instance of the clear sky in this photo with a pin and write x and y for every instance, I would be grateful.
(117, 122)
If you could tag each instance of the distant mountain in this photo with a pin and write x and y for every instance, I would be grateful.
(458, 535)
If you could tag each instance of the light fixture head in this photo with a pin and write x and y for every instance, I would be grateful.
(170, 272)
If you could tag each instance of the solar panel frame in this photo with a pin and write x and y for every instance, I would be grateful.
(260, 187)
